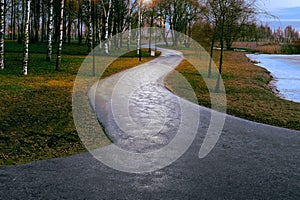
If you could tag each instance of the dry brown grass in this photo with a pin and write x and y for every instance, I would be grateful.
(262, 47)
(36, 111)
(248, 92)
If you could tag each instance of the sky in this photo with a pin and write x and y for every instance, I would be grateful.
(287, 11)
(280, 4)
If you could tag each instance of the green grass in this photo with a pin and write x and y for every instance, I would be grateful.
(248, 93)
(72, 49)
(36, 110)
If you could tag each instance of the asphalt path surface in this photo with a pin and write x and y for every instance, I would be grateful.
(250, 160)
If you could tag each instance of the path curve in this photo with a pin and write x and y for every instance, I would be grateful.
(250, 161)
(150, 127)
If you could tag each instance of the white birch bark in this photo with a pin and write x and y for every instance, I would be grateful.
(129, 24)
(26, 38)
(139, 28)
(90, 31)
(2, 31)
(99, 25)
(50, 31)
(60, 43)
(107, 15)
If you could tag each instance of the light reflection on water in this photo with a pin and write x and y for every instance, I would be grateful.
(286, 71)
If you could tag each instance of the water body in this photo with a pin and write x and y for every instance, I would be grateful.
(286, 72)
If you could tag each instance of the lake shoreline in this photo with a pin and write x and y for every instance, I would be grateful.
(274, 88)
(283, 69)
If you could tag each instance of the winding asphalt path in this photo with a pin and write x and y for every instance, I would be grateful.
(249, 161)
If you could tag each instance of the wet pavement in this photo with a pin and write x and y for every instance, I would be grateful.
(249, 161)
(139, 114)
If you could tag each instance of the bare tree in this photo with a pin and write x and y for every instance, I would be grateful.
(227, 16)
(212, 16)
(180, 15)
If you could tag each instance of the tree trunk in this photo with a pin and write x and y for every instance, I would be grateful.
(212, 49)
(114, 32)
(43, 22)
(129, 25)
(217, 89)
(5, 13)
(50, 31)
(90, 26)
(99, 25)
(21, 28)
(11, 21)
(26, 38)
(151, 25)
(69, 24)
(211, 55)
(79, 26)
(61, 34)
(107, 15)
(56, 21)
(64, 28)
(139, 51)
(37, 20)
(164, 32)
(14, 21)
(2, 30)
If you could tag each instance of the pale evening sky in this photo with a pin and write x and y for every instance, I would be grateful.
(287, 11)
(284, 9)
(277, 4)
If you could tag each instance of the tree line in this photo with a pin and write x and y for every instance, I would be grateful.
(90, 22)
(86, 21)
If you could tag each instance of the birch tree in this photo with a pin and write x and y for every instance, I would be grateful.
(107, 12)
(50, 31)
(26, 37)
(129, 19)
(2, 31)
(90, 26)
(138, 42)
(60, 42)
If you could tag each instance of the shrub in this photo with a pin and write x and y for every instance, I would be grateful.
(293, 48)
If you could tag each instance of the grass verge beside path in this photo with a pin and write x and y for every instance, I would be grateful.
(248, 92)
(36, 110)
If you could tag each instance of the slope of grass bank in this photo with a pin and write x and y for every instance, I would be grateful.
(36, 110)
(248, 92)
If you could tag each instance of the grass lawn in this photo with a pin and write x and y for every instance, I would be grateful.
(248, 92)
(36, 110)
